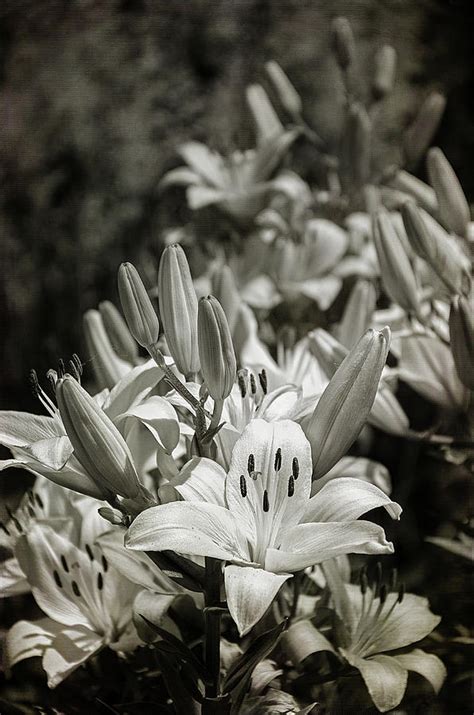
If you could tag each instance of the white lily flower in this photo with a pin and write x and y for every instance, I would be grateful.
(260, 517)
(87, 605)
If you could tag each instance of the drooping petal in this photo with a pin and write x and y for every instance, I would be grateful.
(29, 639)
(201, 480)
(69, 649)
(188, 528)
(346, 499)
(356, 468)
(309, 544)
(20, 429)
(53, 452)
(425, 664)
(68, 477)
(159, 417)
(385, 678)
(12, 579)
(133, 388)
(250, 591)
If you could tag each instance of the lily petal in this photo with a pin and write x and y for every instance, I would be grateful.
(201, 480)
(346, 499)
(12, 579)
(159, 417)
(68, 651)
(250, 591)
(29, 639)
(309, 544)
(52, 452)
(385, 678)
(20, 429)
(425, 664)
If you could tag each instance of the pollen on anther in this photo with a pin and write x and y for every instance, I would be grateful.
(295, 468)
(4, 528)
(75, 589)
(243, 486)
(57, 580)
(242, 382)
(251, 464)
(291, 486)
(39, 501)
(100, 581)
(266, 504)
(262, 377)
(105, 563)
(64, 563)
(89, 552)
(277, 464)
(253, 384)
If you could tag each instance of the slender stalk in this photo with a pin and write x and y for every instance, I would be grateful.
(212, 595)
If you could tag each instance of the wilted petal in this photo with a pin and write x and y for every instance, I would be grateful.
(346, 499)
(425, 664)
(250, 591)
(385, 678)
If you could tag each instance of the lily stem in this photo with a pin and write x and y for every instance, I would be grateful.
(171, 378)
(212, 598)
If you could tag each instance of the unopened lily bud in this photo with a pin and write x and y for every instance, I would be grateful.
(355, 150)
(139, 312)
(415, 188)
(225, 290)
(289, 97)
(97, 443)
(439, 250)
(113, 516)
(384, 75)
(107, 366)
(218, 364)
(343, 42)
(453, 206)
(119, 335)
(461, 332)
(358, 313)
(346, 402)
(328, 351)
(420, 133)
(266, 119)
(398, 277)
(179, 309)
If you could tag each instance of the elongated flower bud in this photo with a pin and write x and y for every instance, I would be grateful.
(416, 189)
(98, 445)
(179, 308)
(225, 290)
(358, 313)
(461, 332)
(107, 366)
(328, 351)
(289, 97)
(438, 249)
(119, 335)
(421, 131)
(453, 206)
(397, 273)
(355, 150)
(139, 312)
(384, 75)
(266, 119)
(218, 364)
(346, 402)
(343, 42)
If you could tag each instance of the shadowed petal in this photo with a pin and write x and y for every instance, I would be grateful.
(425, 664)
(346, 499)
(385, 678)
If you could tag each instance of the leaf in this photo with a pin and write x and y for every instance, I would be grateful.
(182, 700)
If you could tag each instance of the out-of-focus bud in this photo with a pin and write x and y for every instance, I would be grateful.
(438, 250)
(139, 312)
(119, 335)
(179, 309)
(343, 44)
(461, 332)
(266, 119)
(384, 74)
(398, 277)
(289, 97)
(358, 313)
(415, 188)
(225, 290)
(113, 516)
(108, 367)
(98, 445)
(346, 402)
(355, 149)
(218, 364)
(420, 133)
(453, 206)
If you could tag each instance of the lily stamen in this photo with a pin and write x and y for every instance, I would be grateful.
(38, 391)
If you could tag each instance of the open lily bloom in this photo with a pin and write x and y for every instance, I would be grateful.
(375, 623)
(260, 517)
(239, 184)
(86, 602)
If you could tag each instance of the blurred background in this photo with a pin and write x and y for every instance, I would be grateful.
(95, 95)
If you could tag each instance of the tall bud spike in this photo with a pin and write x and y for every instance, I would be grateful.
(421, 131)
(343, 44)
(289, 97)
(107, 366)
(266, 119)
(356, 148)
(98, 445)
(119, 335)
(461, 332)
(218, 363)
(179, 308)
(139, 312)
(384, 75)
(346, 402)
(225, 290)
(453, 207)
(358, 313)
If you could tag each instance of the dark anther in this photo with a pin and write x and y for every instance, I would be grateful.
(75, 589)
(57, 579)
(39, 501)
(251, 464)
(31, 511)
(100, 581)
(89, 552)
(295, 467)
(378, 577)
(242, 381)
(243, 486)
(364, 582)
(393, 579)
(64, 563)
(78, 363)
(74, 371)
(266, 505)
(52, 379)
(401, 592)
(4, 528)
(34, 383)
(13, 518)
(105, 563)
(383, 593)
(291, 486)
(61, 368)
(277, 464)
(253, 384)
(262, 378)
